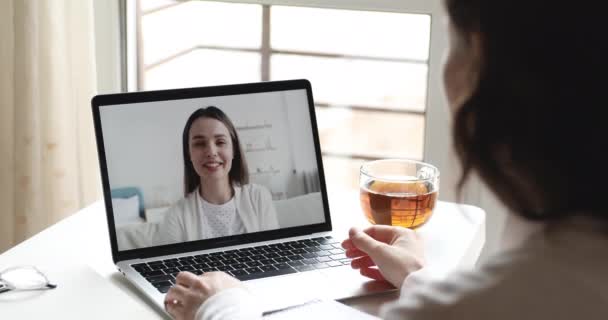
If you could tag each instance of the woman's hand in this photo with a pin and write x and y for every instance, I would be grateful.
(190, 291)
(396, 251)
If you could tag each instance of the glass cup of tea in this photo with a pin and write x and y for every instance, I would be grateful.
(398, 192)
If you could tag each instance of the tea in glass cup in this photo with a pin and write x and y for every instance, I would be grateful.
(398, 192)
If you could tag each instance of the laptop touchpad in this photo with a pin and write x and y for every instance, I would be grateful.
(279, 292)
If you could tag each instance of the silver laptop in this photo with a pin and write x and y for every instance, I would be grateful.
(225, 178)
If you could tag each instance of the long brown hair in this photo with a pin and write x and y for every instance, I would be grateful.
(534, 127)
(239, 174)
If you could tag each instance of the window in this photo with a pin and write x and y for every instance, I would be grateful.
(369, 63)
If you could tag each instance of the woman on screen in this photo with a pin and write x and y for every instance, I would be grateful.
(218, 199)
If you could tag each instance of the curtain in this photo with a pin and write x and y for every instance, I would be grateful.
(48, 159)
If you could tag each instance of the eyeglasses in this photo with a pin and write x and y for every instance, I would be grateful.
(24, 278)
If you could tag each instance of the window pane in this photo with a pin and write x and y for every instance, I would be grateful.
(371, 134)
(375, 34)
(341, 173)
(357, 82)
(205, 67)
(181, 27)
(147, 5)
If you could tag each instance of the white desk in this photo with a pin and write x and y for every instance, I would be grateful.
(453, 237)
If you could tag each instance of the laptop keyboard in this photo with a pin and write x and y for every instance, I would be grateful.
(249, 263)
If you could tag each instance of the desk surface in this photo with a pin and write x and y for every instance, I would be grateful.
(453, 238)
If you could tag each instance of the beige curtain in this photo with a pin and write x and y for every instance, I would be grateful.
(48, 160)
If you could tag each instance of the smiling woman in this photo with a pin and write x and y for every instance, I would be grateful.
(218, 199)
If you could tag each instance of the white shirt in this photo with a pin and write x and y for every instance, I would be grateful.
(186, 221)
(220, 220)
(560, 273)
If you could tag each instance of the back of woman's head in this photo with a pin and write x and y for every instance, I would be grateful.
(534, 128)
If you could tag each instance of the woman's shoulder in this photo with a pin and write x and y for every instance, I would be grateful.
(184, 204)
(523, 283)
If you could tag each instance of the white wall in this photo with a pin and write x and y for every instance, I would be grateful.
(144, 149)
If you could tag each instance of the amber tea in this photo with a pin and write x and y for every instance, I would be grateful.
(407, 204)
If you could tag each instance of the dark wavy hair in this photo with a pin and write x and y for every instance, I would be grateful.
(239, 174)
(534, 128)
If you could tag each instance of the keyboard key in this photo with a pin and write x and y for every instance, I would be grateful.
(336, 251)
(309, 255)
(154, 262)
(215, 264)
(165, 277)
(139, 265)
(189, 262)
(209, 269)
(239, 266)
(237, 273)
(282, 266)
(295, 263)
(334, 263)
(285, 253)
(304, 268)
(295, 257)
(171, 270)
(321, 265)
(152, 273)
(267, 262)
(324, 259)
(158, 266)
(186, 268)
(229, 261)
(253, 264)
(268, 268)
(266, 274)
(281, 259)
(201, 266)
(299, 251)
(253, 270)
(172, 264)
(272, 255)
(141, 269)
(229, 256)
(312, 249)
(258, 257)
(197, 272)
(224, 268)
(163, 289)
(339, 256)
(326, 247)
(310, 261)
(243, 260)
(322, 253)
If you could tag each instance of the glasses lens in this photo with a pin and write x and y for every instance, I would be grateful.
(25, 278)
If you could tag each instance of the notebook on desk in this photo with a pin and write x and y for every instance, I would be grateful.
(225, 178)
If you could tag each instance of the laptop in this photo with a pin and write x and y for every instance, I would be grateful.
(223, 178)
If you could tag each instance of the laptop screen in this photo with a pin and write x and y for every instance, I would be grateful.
(210, 167)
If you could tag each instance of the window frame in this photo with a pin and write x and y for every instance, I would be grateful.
(437, 143)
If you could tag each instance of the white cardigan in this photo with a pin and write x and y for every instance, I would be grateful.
(560, 273)
(183, 221)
